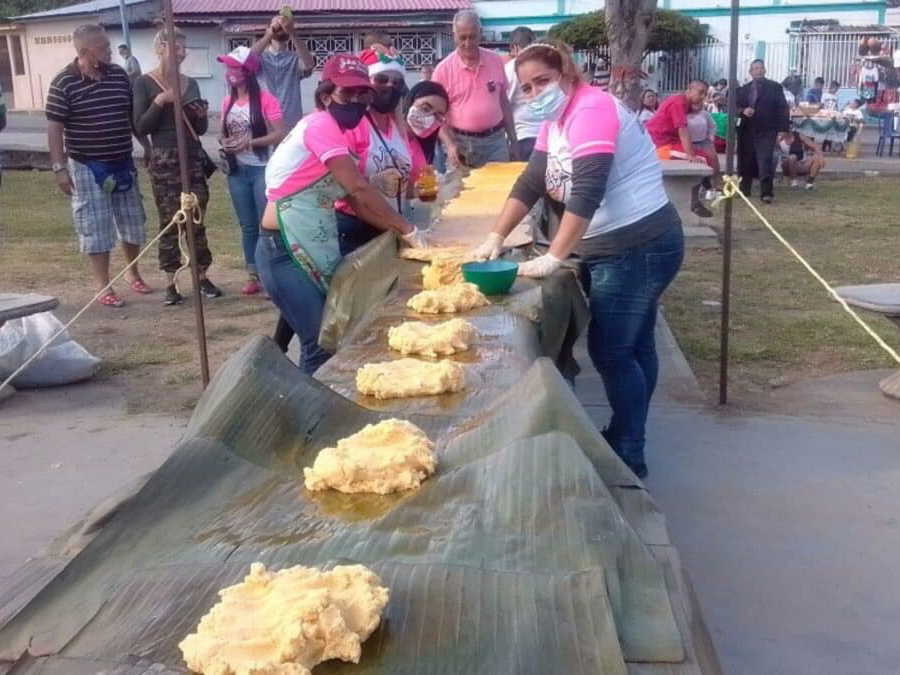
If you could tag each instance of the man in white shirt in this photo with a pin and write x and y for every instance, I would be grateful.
(527, 125)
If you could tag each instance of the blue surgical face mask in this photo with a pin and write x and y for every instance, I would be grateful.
(550, 103)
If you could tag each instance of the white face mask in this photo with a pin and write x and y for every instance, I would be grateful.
(423, 124)
(550, 103)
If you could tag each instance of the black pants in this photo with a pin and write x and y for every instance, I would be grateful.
(756, 150)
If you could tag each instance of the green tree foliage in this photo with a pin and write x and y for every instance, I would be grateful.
(10, 8)
(671, 30)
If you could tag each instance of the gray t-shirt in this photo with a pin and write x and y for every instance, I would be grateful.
(282, 72)
(133, 68)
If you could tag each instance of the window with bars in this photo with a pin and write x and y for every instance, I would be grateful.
(417, 48)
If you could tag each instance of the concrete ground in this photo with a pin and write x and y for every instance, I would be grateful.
(788, 526)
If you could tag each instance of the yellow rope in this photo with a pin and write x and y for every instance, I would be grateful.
(189, 212)
(730, 189)
(190, 208)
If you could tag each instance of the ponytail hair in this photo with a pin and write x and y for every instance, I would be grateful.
(554, 54)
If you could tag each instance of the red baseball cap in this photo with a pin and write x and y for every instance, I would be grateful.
(346, 70)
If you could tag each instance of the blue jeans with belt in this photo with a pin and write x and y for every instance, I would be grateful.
(247, 185)
(623, 292)
(301, 303)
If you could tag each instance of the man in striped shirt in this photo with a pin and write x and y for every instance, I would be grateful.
(89, 118)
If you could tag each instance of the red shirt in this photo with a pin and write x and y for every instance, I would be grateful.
(669, 118)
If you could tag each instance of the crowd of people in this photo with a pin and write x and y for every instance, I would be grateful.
(309, 189)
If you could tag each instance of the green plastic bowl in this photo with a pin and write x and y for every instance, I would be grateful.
(494, 277)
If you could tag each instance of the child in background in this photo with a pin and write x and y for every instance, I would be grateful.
(702, 132)
(829, 98)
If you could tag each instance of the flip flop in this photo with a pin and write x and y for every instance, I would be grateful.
(138, 286)
(112, 300)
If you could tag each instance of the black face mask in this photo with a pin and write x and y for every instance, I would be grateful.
(386, 101)
(347, 115)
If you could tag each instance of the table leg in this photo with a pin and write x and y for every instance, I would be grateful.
(890, 386)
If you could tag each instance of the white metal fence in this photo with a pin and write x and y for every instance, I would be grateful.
(833, 57)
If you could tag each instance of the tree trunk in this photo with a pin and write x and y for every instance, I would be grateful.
(628, 24)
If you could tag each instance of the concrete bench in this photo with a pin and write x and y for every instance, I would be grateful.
(679, 176)
(883, 299)
(18, 305)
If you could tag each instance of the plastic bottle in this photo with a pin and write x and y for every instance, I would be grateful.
(427, 186)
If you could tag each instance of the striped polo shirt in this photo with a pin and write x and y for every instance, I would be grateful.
(96, 114)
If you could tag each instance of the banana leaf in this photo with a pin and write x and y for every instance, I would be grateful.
(515, 557)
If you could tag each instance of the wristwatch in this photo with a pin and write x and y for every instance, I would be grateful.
(57, 167)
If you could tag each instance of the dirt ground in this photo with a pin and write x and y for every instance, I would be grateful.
(785, 329)
(147, 348)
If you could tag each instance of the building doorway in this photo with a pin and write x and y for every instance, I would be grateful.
(6, 74)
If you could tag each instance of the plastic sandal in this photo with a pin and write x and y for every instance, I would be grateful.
(138, 286)
(112, 300)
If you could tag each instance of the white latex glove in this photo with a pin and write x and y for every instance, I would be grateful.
(415, 239)
(542, 266)
(490, 249)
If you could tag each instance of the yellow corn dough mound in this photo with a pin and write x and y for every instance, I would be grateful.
(431, 339)
(444, 270)
(448, 299)
(429, 253)
(409, 377)
(390, 456)
(286, 622)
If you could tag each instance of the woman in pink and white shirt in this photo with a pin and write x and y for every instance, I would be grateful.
(251, 127)
(386, 157)
(315, 166)
(598, 167)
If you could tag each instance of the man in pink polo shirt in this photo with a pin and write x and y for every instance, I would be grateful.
(480, 126)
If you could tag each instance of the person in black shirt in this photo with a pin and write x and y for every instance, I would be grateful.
(764, 120)
(89, 118)
(154, 115)
(801, 157)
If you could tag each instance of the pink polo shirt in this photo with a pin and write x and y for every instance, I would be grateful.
(474, 93)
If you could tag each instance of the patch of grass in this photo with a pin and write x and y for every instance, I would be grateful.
(784, 326)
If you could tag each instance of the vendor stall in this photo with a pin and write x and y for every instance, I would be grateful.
(822, 127)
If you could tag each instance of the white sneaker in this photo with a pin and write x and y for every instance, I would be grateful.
(795, 184)
(810, 186)
(712, 194)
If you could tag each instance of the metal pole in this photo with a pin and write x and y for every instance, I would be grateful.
(126, 36)
(180, 132)
(726, 229)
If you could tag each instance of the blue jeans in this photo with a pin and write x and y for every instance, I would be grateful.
(623, 293)
(478, 151)
(353, 233)
(247, 185)
(301, 303)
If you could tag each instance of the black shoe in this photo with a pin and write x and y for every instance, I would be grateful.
(173, 297)
(209, 289)
(766, 199)
(701, 210)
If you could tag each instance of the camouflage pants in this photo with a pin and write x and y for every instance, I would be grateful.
(165, 179)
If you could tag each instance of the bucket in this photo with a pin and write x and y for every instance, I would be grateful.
(852, 150)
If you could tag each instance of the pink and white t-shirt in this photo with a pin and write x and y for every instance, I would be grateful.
(595, 122)
(238, 122)
(379, 167)
(299, 161)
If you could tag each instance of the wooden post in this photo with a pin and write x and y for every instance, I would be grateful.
(180, 133)
(729, 205)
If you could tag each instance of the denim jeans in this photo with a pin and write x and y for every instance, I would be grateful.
(301, 303)
(353, 233)
(247, 185)
(478, 151)
(623, 294)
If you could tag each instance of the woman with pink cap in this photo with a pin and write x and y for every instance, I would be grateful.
(313, 167)
(251, 127)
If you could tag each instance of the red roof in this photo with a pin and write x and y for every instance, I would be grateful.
(307, 6)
